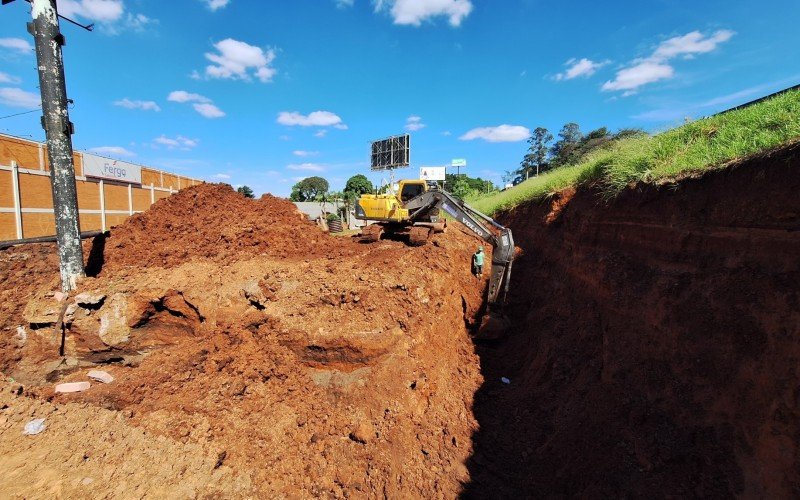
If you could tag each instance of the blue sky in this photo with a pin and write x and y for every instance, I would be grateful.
(267, 92)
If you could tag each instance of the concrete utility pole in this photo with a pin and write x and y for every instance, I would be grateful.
(58, 129)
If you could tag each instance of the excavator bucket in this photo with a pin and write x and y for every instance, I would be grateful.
(494, 326)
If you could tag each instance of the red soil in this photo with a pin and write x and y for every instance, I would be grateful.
(657, 343)
(214, 222)
(311, 365)
(654, 351)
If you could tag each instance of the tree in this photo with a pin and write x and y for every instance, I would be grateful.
(460, 188)
(309, 189)
(358, 184)
(569, 137)
(473, 183)
(537, 152)
(246, 191)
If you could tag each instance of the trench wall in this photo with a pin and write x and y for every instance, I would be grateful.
(656, 342)
(26, 200)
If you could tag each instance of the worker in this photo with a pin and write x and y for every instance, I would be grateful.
(477, 262)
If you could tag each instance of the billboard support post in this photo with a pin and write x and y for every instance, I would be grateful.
(459, 163)
(58, 129)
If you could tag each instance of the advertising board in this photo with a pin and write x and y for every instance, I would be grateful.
(106, 168)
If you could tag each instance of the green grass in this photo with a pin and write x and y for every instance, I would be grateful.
(701, 145)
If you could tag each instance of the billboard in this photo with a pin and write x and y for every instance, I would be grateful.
(432, 173)
(458, 162)
(393, 152)
(106, 168)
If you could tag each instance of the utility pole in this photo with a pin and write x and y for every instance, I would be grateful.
(58, 129)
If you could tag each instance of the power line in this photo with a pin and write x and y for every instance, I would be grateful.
(23, 113)
(87, 27)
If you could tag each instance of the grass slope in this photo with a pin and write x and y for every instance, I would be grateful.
(700, 145)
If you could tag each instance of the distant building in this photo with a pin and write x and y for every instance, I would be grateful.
(313, 209)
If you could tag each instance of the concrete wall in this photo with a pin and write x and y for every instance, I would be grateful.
(26, 199)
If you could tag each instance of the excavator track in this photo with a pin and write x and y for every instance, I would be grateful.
(371, 233)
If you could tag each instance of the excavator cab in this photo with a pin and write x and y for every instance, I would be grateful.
(411, 189)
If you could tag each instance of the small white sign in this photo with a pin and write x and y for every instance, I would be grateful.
(432, 173)
(106, 168)
(458, 162)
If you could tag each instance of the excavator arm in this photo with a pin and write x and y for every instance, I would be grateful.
(502, 242)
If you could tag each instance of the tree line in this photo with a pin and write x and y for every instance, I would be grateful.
(317, 188)
(571, 148)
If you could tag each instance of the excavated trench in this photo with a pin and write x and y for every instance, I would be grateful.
(656, 344)
(654, 349)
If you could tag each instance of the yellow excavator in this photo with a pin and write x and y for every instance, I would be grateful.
(415, 208)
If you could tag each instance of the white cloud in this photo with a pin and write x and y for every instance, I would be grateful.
(138, 22)
(6, 78)
(18, 44)
(736, 97)
(580, 68)
(691, 43)
(414, 123)
(343, 4)
(630, 79)
(208, 110)
(305, 153)
(447, 133)
(501, 133)
(321, 133)
(237, 60)
(314, 119)
(19, 98)
(104, 11)
(309, 167)
(414, 12)
(183, 96)
(112, 151)
(137, 104)
(221, 176)
(656, 67)
(179, 142)
(201, 103)
(679, 110)
(110, 14)
(216, 4)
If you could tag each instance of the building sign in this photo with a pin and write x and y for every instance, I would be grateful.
(431, 173)
(106, 168)
(458, 162)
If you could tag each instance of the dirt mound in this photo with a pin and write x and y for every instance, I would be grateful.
(310, 365)
(212, 221)
(656, 349)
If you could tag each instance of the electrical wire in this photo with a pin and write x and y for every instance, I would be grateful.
(23, 113)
